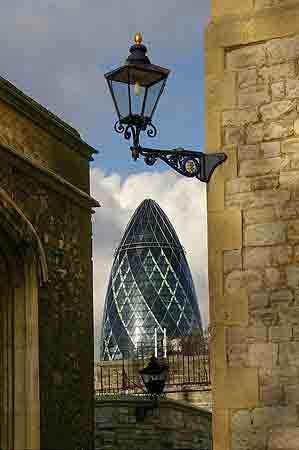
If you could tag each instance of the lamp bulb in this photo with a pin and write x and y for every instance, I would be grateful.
(137, 89)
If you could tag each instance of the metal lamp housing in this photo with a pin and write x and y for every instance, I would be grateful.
(154, 376)
(136, 87)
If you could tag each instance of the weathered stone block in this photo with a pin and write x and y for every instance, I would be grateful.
(292, 88)
(289, 180)
(262, 4)
(248, 279)
(246, 200)
(254, 96)
(236, 388)
(221, 8)
(255, 133)
(292, 393)
(221, 91)
(296, 253)
(234, 135)
(278, 130)
(265, 182)
(262, 355)
(270, 149)
(295, 332)
(277, 72)
(257, 334)
(236, 335)
(280, 333)
(237, 185)
(277, 110)
(267, 256)
(247, 78)
(263, 215)
(293, 230)
(288, 354)
(296, 125)
(232, 260)
(239, 117)
(246, 57)
(278, 90)
(279, 375)
(283, 295)
(244, 434)
(292, 273)
(267, 416)
(258, 300)
(294, 160)
(259, 167)
(257, 257)
(284, 437)
(281, 50)
(273, 277)
(265, 234)
(263, 317)
(237, 355)
(248, 152)
(287, 211)
(288, 314)
(290, 146)
(271, 394)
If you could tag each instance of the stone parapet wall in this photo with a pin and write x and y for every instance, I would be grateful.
(134, 424)
(201, 399)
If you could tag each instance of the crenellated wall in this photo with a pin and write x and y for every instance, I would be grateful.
(252, 113)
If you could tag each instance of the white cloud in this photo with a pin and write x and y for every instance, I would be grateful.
(184, 202)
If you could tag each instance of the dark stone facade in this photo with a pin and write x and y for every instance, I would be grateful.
(45, 170)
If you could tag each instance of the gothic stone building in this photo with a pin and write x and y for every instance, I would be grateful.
(46, 303)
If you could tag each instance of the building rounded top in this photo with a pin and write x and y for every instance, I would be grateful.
(148, 227)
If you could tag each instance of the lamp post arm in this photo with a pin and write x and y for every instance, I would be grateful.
(186, 162)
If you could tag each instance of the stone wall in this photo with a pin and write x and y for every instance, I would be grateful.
(134, 424)
(40, 159)
(252, 113)
(202, 398)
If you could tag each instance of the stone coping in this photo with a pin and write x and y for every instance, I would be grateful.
(44, 118)
(56, 182)
(165, 403)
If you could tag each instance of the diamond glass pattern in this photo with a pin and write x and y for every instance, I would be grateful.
(150, 287)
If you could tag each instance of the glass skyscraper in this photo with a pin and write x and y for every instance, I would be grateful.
(150, 287)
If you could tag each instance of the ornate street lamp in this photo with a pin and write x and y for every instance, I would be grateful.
(154, 376)
(136, 88)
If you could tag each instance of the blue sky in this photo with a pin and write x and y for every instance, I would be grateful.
(57, 51)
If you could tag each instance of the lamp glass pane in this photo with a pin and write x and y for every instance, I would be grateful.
(151, 98)
(121, 95)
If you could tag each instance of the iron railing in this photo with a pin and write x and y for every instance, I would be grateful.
(187, 372)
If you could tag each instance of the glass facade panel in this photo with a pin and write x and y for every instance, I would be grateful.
(150, 287)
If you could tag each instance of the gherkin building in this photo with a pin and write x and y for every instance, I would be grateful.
(150, 287)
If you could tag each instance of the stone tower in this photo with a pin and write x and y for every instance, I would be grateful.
(252, 104)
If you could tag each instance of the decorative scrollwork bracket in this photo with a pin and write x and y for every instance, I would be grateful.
(189, 163)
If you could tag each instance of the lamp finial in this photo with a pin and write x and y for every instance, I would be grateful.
(138, 38)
